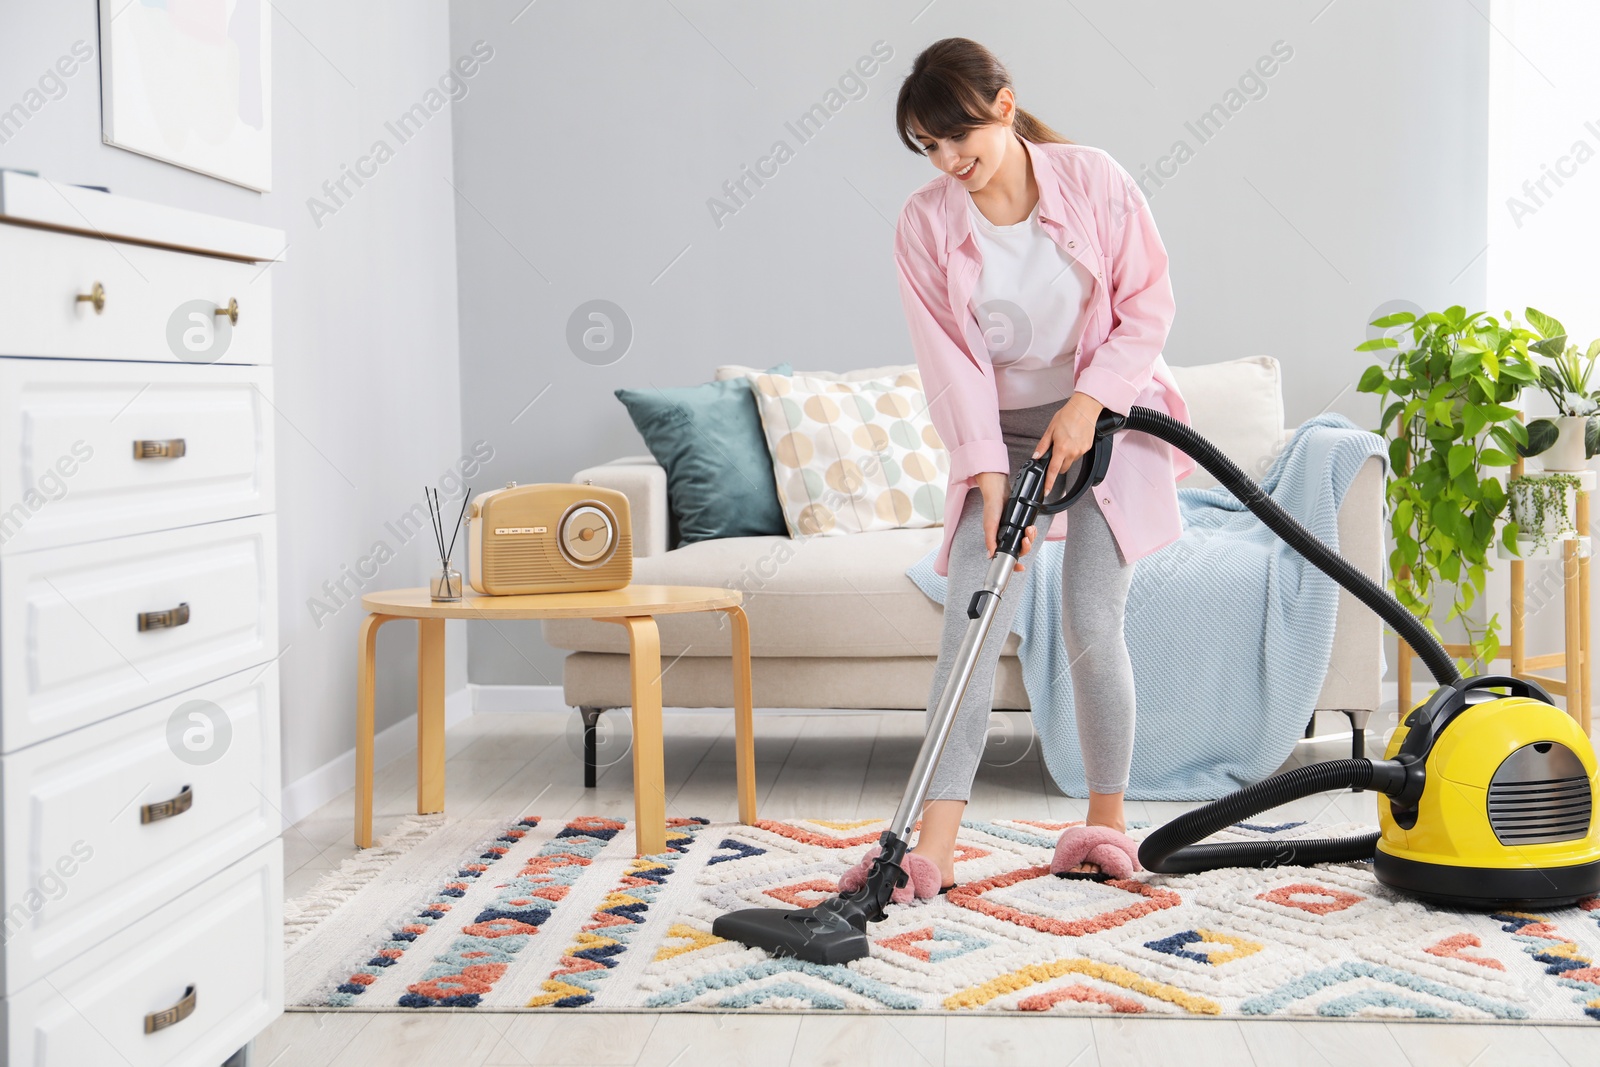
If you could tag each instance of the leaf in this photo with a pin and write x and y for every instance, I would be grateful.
(1388, 415)
(1450, 568)
(1508, 537)
(1493, 457)
(1377, 343)
(1472, 420)
(1398, 318)
(1465, 360)
(1547, 326)
(1460, 459)
(1372, 380)
(1542, 434)
(1397, 454)
(1591, 436)
(1402, 516)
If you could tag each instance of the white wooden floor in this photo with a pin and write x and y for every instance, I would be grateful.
(834, 766)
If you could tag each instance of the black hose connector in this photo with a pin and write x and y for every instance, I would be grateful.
(1408, 626)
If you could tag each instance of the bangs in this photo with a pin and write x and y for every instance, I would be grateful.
(937, 106)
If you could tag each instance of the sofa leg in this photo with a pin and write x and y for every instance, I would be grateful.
(591, 719)
(1358, 732)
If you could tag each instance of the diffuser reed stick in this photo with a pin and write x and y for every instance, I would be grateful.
(446, 585)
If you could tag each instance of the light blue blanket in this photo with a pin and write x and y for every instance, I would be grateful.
(1229, 629)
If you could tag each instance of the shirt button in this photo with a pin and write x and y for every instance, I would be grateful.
(1105, 500)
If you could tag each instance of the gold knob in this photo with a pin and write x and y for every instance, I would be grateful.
(232, 311)
(95, 296)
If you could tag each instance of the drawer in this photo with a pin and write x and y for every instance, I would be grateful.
(71, 435)
(221, 940)
(71, 648)
(158, 303)
(88, 849)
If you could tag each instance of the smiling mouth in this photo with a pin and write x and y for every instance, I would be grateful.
(970, 170)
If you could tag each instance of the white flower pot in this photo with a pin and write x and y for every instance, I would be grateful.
(1554, 525)
(1567, 453)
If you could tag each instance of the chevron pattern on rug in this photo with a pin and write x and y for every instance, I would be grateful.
(561, 916)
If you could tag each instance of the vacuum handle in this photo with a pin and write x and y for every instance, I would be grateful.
(1092, 471)
(1028, 500)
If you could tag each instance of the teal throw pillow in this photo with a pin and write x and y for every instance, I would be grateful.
(719, 472)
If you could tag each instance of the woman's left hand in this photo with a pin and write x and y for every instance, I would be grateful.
(1069, 435)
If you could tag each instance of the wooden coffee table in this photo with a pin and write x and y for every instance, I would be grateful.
(634, 607)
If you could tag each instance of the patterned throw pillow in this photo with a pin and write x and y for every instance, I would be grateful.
(849, 457)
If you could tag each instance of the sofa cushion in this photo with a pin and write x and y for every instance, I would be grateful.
(1238, 406)
(709, 439)
(810, 596)
(852, 457)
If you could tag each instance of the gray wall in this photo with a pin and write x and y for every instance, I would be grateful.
(367, 375)
(593, 141)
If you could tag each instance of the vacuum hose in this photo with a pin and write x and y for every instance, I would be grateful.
(1170, 849)
(1408, 626)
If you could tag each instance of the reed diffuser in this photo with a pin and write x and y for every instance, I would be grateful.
(446, 584)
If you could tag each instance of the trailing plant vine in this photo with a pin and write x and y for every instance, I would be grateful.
(1545, 494)
(1450, 425)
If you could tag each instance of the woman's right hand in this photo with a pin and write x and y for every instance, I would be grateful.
(996, 490)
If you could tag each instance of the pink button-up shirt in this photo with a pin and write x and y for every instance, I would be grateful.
(1091, 207)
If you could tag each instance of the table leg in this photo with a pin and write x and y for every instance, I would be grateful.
(430, 716)
(649, 770)
(744, 742)
(1586, 650)
(1574, 626)
(366, 670)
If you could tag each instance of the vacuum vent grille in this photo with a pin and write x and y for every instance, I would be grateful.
(1535, 796)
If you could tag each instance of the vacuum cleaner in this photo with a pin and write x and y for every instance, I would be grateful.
(1485, 799)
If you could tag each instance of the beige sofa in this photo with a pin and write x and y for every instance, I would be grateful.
(835, 623)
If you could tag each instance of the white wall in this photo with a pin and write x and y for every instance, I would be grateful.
(367, 379)
(594, 142)
(1544, 205)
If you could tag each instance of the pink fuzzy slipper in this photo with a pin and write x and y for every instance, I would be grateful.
(924, 882)
(1116, 854)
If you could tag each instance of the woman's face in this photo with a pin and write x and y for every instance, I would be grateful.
(973, 157)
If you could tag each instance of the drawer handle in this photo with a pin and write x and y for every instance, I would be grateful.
(232, 311)
(164, 620)
(172, 448)
(160, 1020)
(166, 809)
(95, 296)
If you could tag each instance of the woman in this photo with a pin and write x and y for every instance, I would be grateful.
(1035, 288)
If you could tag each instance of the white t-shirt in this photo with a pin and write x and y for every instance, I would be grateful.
(1029, 303)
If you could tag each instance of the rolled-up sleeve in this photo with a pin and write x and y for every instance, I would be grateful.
(960, 390)
(1140, 292)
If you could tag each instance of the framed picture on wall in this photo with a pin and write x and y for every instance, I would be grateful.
(190, 82)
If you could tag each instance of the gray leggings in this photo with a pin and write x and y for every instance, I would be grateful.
(1094, 593)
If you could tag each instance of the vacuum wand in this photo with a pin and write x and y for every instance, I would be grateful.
(834, 931)
(1026, 503)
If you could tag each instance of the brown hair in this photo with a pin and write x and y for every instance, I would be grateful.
(952, 87)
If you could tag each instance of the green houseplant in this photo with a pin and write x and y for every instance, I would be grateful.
(1565, 442)
(1450, 425)
(1542, 507)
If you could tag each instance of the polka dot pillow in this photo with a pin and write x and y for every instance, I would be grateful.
(852, 456)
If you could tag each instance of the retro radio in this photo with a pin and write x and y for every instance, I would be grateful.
(550, 538)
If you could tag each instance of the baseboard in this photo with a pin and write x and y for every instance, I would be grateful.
(310, 791)
(503, 698)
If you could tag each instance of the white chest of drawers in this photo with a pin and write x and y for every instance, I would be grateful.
(140, 866)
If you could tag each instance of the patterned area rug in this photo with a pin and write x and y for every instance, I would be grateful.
(558, 915)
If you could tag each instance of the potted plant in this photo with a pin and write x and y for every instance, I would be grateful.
(1451, 424)
(1568, 441)
(1541, 505)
